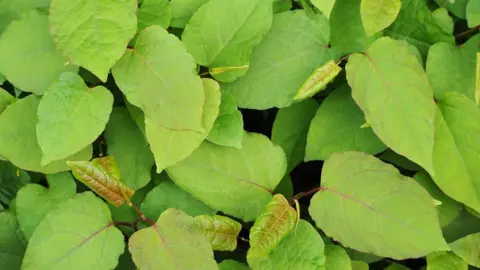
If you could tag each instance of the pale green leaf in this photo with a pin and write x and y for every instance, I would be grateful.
(336, 127)
(159, 77)
(443, 19)
(11, 180)
(232, 265)
(18, 139)
(397, 210)
(359, 265)
(28, 57)
(445, 261)
(71, 116)
(183, 10)
(228, 127)
(167, 195)
(221, 34)
(127, 144)
(325, 6)
(468, 248)
(173, 243)
(78, 235)
(473, 13)
(274, 223)
(452, 68)
(12, 242)
(170, 146)
(290, 130)
(5, 99)
(222, 232)
(283, 66)
(34, 202)
(337, 258)
(238, 182)
(318, 80)
(391, 88)
(154, 12)
(93, 33)
(302, 248)
(456, 128)
(378, 14)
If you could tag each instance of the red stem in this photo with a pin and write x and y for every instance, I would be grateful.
(301, 195)
(142, 215)
(121, 223)
(459, 35)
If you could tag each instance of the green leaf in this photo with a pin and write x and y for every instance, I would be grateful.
(350, 211)
(336, 127)
(34, 202)
(102, 175)
(457, 7)
(71, 116)
(167, 195)
(5, 99)
(170, 146)
(281, 5)
(11, 180)
(93, 33)
(285, 187)
(359, 265)
(159, 77)
(473, 13)
(183, 10)
(12, 243)
(2, 79)
(452, 68)
(378, 14)
(290, 130)
(283, 66)
(325, 6)
(300, 249)
(243, 24)
(238, 182)
(18, 139)
(347, 32)
(154, 12)
(220, 231)
(456, 127)
(391, 88)
(8, 13)
(477, 90)
(416, 24)
(28, 57)
(361, 256)
(468, 248)
(274, 223)
(228, 127)
(443, 20)
(318, 80)
(337, 258)
(445, 261)
(399, 161)
(173, 242)
(232, 265)
(127, 144)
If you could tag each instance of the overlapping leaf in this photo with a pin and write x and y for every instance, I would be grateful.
(378, 14)
(468, 248)
(473, 13)
(443, 19)
(11, 180)
(12, 242)
(445, 261)
(325, 6)
(154, 12)
(222, 232)
(337, 258)
(182, 11)
(5, 99)
(228, 127)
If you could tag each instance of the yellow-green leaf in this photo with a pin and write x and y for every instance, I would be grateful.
(318, 80)
(468, 248)
(222, 232)
(477, 90)
(378, 14)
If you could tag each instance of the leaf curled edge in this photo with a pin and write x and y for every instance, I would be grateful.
(318, 80)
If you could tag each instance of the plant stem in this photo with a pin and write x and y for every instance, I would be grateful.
(142, 215)
(301, 195)
(122, 223)
(467, 32)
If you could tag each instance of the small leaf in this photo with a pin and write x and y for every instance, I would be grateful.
(445, 261)
(468, 248)
(325, 6)
(378, 14)
(274, 223)
(337, 258)
(222, 232)
(182, 11)
(359, 265)
(318, 80)
(170, 244)
(12, 243)
(473, 13)
(443, 19)
(103, 177)
(5, 99)
(11, 180)
(232, 265)
(154, 12)
(93, 33)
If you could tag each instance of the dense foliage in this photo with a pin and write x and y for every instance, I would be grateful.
(239, 134)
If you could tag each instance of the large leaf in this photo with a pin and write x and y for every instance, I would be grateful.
(452, 68)
(274, 223)
(159, 77)
(28, 57)
(222, 232)
(79, 234)
(416, 24)
(390, 86)
(279, 68)
(300, 249)
(445, 261)
(183, 10)
(18, 139)
(337, 127)
(34, 201)
(102, 175)
(473, 13)
(93, 33)
(228, 127)
(468, 248)
(173, 242)
(378, 14)
(238, 182)
(167, 195)
(170, 146)
(71, 116)
(154, 12)
(290, 130)
(12, 243)
(337, 258)
(238, 25)
(11, 180)
(127, 144)
(380, 220)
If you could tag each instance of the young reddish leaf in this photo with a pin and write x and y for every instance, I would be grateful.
(103, 177)
(318, 80)
(220, 231)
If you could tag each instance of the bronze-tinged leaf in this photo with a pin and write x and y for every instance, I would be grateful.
(318, 80)
(103, 177)
(220, 231)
